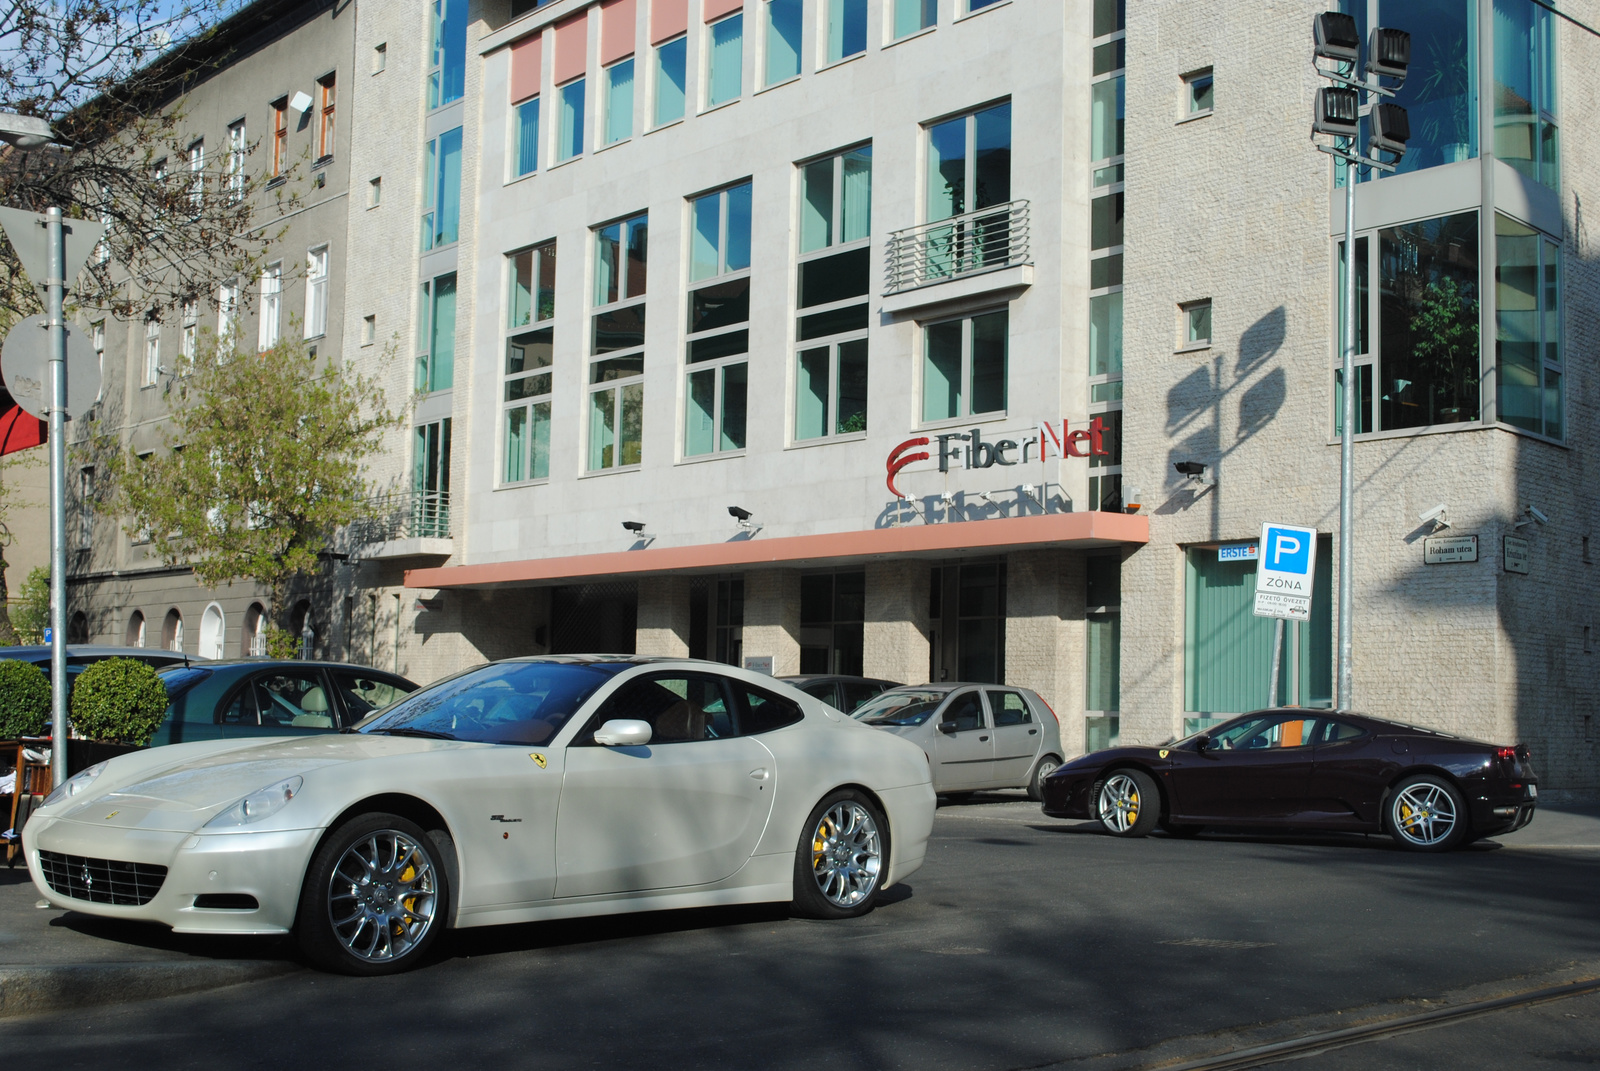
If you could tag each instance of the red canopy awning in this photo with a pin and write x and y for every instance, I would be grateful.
(18, 430)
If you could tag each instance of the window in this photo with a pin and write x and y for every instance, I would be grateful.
(374, 192)
(571, 139)
(832, 609)
(316, 321)
(671, 73)
(526, 118)
(834, 278)
(191, 328)
(719, 322)
(271, 306)
(619, 101)
(969, 169)
(1428, 341)
(964, 366)
(172, 631)
(380, 57)
(978, 5)
(913, 15)
(236, 154)
(1525, 131)
(280, 136)
(847, 28)
(441, 190)
(1528, 327)
(1107, 115)
(1198, 93)
(97, 339)
(1196, 324)
(783, 40)
(325, 113)
(430, 480)
(724, 60)
(197, 175)
(447, 72)
(227, 312)
(729, 628)
(85, 507)
(135, 633)
(678, 709)
(529, 349)
(616, 345)
(369, 329)
(436, 339)
(1102, 648)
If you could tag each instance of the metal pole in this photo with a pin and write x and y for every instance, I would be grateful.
(1347, 438)
(56, 284)
(1277, 662)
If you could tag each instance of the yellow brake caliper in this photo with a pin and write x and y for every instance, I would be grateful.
(409, 902)
(819, 843)
(1133, 806)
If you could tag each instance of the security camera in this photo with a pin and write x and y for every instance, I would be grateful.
(739, 514)
(1537, 514)
(1192, 469)
(636, 527)
(1436, 515)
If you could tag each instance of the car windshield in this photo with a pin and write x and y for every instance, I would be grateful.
(180, 679)
(522, 703)
(900, 708)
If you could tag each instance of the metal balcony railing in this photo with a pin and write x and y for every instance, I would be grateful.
(405, 515)
(985, 240)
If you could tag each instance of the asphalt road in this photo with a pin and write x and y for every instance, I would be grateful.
(1023, 943)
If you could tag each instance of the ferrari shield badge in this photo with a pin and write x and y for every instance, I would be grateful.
(1162, 752)
(538, 758)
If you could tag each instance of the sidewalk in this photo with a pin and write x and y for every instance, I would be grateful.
(1559, 826)
(52, 959)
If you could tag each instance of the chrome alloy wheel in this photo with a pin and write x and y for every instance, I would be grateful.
(1118, 806)
(382, 896)
(1424, 814)
(846, 854)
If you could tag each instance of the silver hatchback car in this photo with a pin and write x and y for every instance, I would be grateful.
(977, 736)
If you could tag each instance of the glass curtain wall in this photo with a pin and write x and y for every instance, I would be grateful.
(1526, 135)
(1107, 112)
(1528, 327)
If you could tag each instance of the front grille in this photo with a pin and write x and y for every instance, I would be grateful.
(102, 881)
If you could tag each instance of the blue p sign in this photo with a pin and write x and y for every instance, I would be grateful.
(1287, 551)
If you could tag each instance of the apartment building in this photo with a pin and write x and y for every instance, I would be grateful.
(865, 336)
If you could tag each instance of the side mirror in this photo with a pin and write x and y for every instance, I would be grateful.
(1202, 741)
(623, 732)
(948, 727)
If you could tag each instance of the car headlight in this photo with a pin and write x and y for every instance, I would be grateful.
(74, 784)
(259, 805)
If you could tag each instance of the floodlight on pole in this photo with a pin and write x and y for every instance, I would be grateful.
(1337, 37)
(25, 131)
(1389, 54)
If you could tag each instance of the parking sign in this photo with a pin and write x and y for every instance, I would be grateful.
(1285, 571)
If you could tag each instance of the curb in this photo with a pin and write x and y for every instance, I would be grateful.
(35, 990)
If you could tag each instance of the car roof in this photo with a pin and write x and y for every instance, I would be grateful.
(88, 650)
(811, 678)
(288, 663)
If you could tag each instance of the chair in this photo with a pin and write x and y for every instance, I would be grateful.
(33, 782)
(678, 723)
(315, 705)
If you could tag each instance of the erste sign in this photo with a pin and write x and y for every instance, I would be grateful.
(1284, 572)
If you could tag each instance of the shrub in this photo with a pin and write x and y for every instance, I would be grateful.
(24, 699)
(119, 701)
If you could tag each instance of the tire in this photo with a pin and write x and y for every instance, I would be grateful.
(1127, 803)
(840, 859)
(1425, 813)
(1178, 829)
(1047, 766)
(350, 923)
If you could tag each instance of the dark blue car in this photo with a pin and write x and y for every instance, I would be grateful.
(247, 697)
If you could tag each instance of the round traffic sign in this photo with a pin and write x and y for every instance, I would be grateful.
(25, 367)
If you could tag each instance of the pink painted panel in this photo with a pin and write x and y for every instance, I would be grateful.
(527, 66)
(572, 48)
(668, 18)
(715, 9)
(618, 20)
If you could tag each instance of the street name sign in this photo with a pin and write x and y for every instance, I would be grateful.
(1284, 571)
(1516, 554)
(1444, 550)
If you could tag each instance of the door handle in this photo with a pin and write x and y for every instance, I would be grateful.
(1033, 732)
(759, 775)
(982, 738)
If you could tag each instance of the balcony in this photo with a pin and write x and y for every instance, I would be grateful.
(408, 524)
(976, 254)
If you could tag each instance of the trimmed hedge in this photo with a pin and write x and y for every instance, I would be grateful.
(24, 699)
(119, 701)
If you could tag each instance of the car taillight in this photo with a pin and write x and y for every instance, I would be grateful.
(1506, 754)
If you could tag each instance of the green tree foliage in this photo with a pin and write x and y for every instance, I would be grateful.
(1444, 333)
(118, 701)
(24, 699)
(30, 612)
(264, 461)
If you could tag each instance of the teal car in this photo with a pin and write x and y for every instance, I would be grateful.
(252, 697)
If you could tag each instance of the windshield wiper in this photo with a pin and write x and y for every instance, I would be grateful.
(428, 733)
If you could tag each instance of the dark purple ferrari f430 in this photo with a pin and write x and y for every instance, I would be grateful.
(1305, 769)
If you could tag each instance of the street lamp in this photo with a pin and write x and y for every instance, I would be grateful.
(25, 131)
(1338, 113)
